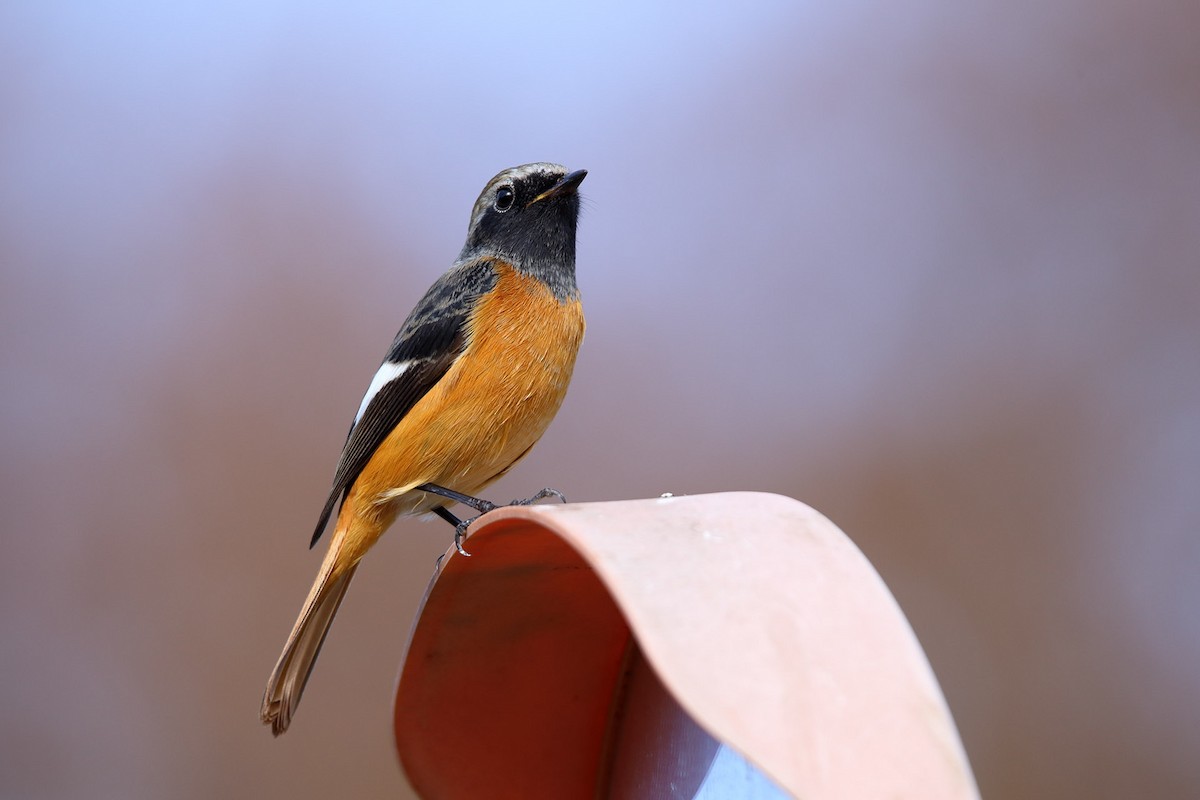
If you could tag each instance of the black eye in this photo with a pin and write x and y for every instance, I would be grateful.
(504, 198)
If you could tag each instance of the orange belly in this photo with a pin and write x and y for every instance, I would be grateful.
(485, 413)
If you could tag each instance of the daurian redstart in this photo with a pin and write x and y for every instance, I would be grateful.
(470, 383)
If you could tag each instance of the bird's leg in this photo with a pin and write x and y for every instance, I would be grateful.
(482, 506)
(445, 514)
(460, 528)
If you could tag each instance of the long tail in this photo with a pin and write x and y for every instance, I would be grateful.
(296, 662)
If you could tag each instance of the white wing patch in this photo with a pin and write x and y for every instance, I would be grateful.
(388, 372)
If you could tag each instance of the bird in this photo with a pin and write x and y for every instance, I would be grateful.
(472, 380)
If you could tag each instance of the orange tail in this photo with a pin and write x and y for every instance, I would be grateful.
(296, 662)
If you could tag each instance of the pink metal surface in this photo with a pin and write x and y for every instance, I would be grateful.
(759, 616)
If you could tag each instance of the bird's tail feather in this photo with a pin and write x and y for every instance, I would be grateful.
(300, 652)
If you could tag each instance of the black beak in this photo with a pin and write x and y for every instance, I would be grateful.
(568, 184)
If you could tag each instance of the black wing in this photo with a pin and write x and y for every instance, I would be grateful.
(432, 337)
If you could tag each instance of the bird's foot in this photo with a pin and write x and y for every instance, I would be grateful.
(542, 495)
(460, 532)
(482, 506)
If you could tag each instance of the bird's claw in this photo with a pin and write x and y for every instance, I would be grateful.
(460, 533)
(541, 495)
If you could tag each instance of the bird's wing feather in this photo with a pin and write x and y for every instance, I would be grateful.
(429, 342)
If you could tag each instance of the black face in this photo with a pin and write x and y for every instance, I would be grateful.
(528, 215)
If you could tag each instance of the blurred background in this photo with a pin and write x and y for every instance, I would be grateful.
(933, 269)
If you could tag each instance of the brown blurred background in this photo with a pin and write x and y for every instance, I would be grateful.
(933, 269)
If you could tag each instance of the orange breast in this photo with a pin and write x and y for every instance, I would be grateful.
(488, 410)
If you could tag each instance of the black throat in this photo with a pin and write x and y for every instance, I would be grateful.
(539, 242)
